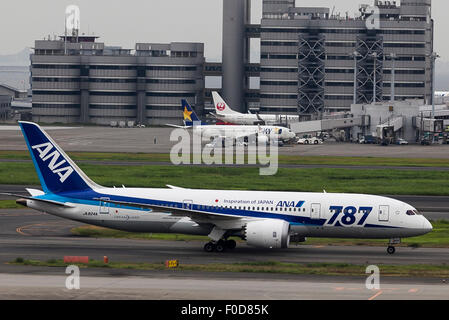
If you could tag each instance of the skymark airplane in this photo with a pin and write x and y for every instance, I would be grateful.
(226, 114)
(263, 219)
(232, 132)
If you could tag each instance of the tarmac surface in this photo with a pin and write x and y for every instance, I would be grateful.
(208, 287)
(33, 235)
(133, 140)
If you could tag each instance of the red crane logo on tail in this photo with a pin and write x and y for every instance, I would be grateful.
(221, 106)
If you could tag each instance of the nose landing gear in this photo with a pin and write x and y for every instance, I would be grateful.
(391, 248)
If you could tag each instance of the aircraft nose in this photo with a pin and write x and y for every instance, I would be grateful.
(427, 225)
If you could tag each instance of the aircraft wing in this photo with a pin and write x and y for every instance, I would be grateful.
(223, 221)
(178, 127)
(261, 121)
(56, 203)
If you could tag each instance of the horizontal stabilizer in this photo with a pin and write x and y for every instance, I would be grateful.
(35, 193)
(56, 203)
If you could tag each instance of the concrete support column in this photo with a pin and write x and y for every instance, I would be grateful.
(235, 14)
(141, 96)
(84, 90)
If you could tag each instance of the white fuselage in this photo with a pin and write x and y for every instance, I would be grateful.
(235, 132)
(309, 214)
(251, 119)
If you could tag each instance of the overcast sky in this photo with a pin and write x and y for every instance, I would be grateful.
(124, 23)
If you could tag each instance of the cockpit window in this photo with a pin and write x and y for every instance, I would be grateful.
(411, 212)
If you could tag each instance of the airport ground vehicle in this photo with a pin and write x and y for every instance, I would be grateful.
(312, 140)
(264, 219)
(401, 142)
(368, 140)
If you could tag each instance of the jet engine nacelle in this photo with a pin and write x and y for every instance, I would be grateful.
(270, 233)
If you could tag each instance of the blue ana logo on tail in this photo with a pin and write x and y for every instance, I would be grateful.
(56, 167)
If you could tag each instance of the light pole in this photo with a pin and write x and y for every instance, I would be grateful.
(355, 55)
(434, 56)
(393, 57)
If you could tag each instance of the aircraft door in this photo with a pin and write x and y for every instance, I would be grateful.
(384, 213)
(187, 204)
(315, 211)
(104, 206)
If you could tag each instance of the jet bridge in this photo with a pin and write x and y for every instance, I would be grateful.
(390, 127)
(329, 124)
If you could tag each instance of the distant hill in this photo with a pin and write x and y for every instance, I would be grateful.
(20, 59)
(15, 69)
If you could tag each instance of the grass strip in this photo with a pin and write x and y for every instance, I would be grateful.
(9, 204)
(376, 181)
(283, 159)
(330, 269)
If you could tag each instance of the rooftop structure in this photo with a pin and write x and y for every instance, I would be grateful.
(78, 80)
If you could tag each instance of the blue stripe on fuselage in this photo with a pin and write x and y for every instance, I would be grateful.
(87, 196)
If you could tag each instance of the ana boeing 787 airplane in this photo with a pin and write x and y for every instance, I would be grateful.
(263, 219)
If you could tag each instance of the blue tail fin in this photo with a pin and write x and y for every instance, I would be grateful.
(190, 117)
(57, 172)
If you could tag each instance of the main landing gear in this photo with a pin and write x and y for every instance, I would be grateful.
(220, 246)
(391, 248)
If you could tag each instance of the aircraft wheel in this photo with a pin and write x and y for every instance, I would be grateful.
(231, 244)
(209, 247)
(220, 246)
(391, 250)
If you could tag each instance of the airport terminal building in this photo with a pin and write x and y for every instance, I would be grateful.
(311, 57)
(78, 80)
(313, 61)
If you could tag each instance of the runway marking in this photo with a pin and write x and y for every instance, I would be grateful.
(376, 295)
(21, 231)
(413, 290)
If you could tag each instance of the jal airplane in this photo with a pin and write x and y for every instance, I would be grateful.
(263, 219)
(232, 132)
(227, 115)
